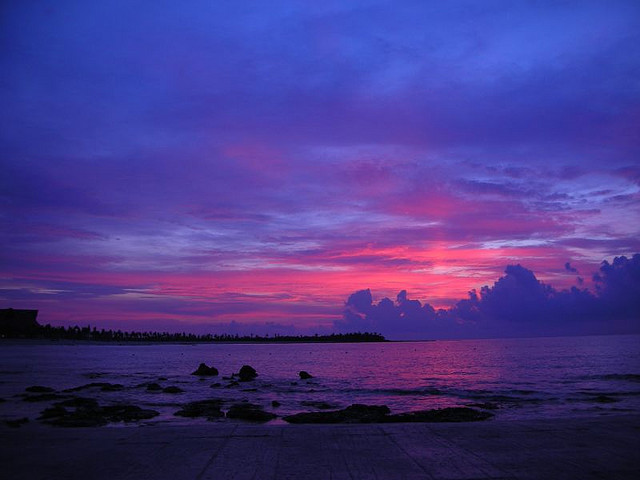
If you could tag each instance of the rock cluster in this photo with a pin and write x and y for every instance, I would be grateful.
(450, 414)
(357, 413)
(250, 412)
(204, 371)
(86, 412)
(172, 389)
(44, 397)
(319, 405)
(17, 422)
(39, 389)
(210, 409)
(72, 411)
(246, 373)
(103, 386)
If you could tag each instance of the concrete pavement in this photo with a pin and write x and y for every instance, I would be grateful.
(588, 448)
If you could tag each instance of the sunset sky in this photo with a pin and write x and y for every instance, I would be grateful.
(184, 165)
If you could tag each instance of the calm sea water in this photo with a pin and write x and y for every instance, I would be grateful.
(520, 378)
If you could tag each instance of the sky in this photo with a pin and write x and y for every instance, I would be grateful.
(249, 166)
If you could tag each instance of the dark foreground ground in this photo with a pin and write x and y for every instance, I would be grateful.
(589, 448)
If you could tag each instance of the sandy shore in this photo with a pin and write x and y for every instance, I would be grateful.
(584, 448)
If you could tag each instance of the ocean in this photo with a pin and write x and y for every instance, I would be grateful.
(513, 378)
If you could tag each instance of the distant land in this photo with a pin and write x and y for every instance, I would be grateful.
(22, 324)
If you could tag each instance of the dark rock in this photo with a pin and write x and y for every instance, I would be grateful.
(304, 375)
(485, 405)
(380, 414)
(17, 422)
(85, 386)
(172, 389)
(205, 371)
(275, 404)
(52, 412)
(44, 397)
(355, 413)
(247, 373)
(202, 408)
(162, 379)
(250, 412)
(78, 402)
(216, 385)
(104, 386)
(2, 400)
(153, 387)
(89, 414)
(249, 389)
(76, 419)
(631, 377)
(112, 387)
(320, 405)
(605, 399)
(451, 414)
(127, 413)
(39, 389)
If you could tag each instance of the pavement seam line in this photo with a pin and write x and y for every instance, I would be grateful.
(276, 470)
(216, 453)
(393, 440)
(451, 442)
(332, 436)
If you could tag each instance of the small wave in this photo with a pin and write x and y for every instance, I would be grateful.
(92, 375)
(594, 392)
(500, 397)
(618, 377)
(630, 377)
(400, 391)
(416, 391)
(524, 392)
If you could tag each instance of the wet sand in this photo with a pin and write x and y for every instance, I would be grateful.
(578, 448)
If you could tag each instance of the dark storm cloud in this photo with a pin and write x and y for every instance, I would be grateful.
(516, 304)
(403, 318)
(618, 286)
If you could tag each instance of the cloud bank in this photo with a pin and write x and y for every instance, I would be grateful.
(517, 304)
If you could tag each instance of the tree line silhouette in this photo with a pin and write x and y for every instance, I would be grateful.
(102, 335)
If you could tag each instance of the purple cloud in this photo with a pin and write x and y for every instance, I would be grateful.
(518, 304)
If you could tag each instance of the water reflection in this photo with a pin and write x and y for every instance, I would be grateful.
(517, 378)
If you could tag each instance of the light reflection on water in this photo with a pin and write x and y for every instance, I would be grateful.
(524, 378)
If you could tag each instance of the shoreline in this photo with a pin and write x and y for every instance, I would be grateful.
(581, 448)
(51, 341)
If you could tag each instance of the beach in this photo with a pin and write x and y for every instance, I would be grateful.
(569, 448)
(552, 409)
